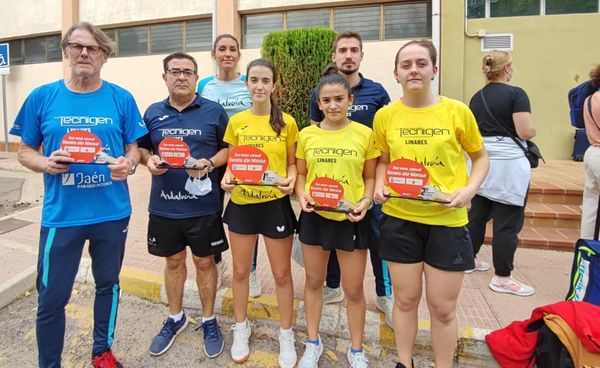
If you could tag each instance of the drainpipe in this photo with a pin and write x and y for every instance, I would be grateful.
(214, 31)
(436, 36)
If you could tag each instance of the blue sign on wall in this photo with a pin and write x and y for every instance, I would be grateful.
(4, 57)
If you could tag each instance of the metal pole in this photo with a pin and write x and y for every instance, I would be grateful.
(4, 113)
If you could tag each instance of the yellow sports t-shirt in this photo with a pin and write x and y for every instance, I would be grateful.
(339, 155)
(247, 129)
(436, 137)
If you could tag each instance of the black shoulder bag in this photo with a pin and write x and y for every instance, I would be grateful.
(532, 151)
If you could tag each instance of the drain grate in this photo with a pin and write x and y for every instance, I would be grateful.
(10, 224)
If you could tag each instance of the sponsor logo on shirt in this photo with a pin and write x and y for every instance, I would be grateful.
(423, 132)
(85, 181)
(355, 108)
(419, 136)
(83, 121)
(262, 138)
(180, 132)
(333, 151)
(172, 196)
(231, 103)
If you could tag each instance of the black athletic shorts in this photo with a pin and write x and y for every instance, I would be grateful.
(205, 235)
(274, 219)
(332, 235)
(442, 247)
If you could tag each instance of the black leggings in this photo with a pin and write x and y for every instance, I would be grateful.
(508, 222)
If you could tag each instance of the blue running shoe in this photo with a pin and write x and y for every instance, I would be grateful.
(213, 339)
(165, 338)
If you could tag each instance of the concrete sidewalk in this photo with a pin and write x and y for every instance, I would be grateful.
(479, 309)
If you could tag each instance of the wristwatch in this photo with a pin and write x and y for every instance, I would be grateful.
(212, 165)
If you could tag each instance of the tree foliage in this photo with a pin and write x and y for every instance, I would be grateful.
(300, 55)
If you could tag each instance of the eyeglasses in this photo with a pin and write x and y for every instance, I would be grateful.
(78, 48)
(175, 73)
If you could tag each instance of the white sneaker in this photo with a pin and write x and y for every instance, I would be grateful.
(386, 305)
(510, 286)
(332, 295)
(255, 287)
(311, 356)
(357, 360)
(240, 349)
(219, 274)
(287, 349)
(479, 266)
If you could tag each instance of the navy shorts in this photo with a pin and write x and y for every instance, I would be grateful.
(442, 247)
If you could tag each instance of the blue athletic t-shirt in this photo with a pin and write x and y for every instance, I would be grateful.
(85, 194)
(201, 126)
(232, 95)
(369, 97)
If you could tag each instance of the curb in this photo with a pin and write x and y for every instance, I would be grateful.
(148, 285)
(17, 285)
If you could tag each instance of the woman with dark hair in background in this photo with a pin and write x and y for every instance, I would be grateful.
(503, 195)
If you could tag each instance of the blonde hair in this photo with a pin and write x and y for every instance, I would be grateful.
(493, 64)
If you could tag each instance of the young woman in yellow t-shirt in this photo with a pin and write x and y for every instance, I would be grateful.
(265, 210)
(342, 150)
(421, 238)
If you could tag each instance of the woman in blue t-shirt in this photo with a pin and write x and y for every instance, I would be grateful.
(228, 87)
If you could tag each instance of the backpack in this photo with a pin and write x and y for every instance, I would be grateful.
(550, 352)
(577, 96)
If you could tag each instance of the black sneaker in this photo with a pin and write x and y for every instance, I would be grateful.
(165, 338)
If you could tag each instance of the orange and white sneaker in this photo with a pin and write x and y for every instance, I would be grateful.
(510, 285)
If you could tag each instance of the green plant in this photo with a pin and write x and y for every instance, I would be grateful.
(300, 55)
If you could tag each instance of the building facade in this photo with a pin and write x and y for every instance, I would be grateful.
(553, 43)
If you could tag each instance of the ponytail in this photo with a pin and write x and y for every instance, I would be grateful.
(276, 118)
(493, 64)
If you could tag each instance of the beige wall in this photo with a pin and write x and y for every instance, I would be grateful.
(16, 18)
(551, 55)
(118, 12)
(451, 52)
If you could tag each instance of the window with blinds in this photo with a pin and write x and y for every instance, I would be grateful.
(362, 20)
(308, 18)
(513, 8)
(374, 22)
(257, 26)
(411, 20)
(35, 50)
(198, 35)
(166, 38)
(132, 41)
